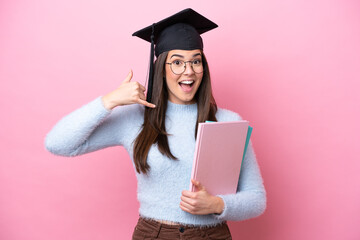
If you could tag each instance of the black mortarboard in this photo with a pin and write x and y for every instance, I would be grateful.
(179, 31)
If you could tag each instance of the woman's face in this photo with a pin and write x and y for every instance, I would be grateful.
(183, 87)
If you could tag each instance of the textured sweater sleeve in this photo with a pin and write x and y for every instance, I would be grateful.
(87, 129)
(250, 199)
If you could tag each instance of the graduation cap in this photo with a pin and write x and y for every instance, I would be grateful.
(179, 31)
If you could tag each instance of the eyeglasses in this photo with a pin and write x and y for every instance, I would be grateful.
(178, 66)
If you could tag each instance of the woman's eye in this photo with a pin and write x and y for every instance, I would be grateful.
(177, 62)
(197, 62)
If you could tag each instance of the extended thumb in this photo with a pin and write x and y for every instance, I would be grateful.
(129, 76)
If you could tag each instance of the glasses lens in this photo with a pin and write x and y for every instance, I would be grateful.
(178, 66)
(197, 66)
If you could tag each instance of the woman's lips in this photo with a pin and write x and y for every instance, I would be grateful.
(186, 85)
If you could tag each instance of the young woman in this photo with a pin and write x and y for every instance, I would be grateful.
(159, 134)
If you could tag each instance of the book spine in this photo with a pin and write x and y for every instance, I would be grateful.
(195, 162)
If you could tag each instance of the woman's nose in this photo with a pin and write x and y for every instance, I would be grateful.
(188, 69)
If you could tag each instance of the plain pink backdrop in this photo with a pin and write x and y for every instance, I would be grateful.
(292, 68)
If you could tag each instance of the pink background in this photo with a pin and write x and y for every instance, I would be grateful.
(292, 68)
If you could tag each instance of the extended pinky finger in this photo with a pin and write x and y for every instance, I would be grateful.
(145, 103)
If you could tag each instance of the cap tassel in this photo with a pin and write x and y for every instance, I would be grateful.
(151, 69)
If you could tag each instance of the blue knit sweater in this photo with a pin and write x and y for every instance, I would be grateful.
(93, 127)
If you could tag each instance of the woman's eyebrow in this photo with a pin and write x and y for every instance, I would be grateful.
(177, 55)
(181, 56)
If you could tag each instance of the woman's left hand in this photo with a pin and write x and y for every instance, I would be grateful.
(200, 202)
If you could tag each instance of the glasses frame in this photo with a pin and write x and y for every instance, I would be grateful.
(185, 62)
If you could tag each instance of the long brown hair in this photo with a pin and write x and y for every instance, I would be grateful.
(153, 129)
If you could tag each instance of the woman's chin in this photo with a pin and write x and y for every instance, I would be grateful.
(183, 100)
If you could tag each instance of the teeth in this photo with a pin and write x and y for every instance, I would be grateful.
(187, 82)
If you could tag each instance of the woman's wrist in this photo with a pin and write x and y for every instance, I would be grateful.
(108, 104)
(219, 205)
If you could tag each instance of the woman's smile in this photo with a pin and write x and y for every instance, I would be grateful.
(187, 85)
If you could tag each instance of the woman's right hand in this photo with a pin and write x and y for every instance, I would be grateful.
(127, 93)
